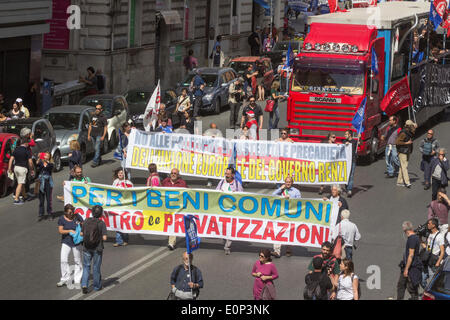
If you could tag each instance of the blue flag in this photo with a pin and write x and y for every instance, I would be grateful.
(358, 119)
(437, 14)
(190, 227)
(118, 154)
(290, 56)
(374, 62)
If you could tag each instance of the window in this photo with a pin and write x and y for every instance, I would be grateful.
(85, 121)
(41, 131)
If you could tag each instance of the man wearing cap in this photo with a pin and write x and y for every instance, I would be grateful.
(22, 108)
(235, 96)
(252, 116)
(255, 42)
(404, 148)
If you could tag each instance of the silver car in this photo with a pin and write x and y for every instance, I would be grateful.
(71, 122)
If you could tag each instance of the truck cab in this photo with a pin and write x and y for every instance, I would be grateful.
(333, 73)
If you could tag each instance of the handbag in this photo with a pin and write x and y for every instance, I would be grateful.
(337, 245)
(269, 105)
(425, 255)
(268, 292)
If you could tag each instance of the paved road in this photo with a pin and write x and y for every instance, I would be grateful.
(30, 250)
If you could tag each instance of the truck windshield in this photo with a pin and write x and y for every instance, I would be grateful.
(328, 80)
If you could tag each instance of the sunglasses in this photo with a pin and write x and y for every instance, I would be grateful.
(262, 256)
(284, 133)
(333, 137)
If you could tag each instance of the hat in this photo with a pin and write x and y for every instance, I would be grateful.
(19, 100)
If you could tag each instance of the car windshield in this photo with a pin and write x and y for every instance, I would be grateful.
(68, 121)
(240, 66)
(323, 80)
(138, 96)
(14, 128)
(210, 79)
(105, 103)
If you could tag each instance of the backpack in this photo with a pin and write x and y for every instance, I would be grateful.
(312, 291)
(91, 236)
(428, 147)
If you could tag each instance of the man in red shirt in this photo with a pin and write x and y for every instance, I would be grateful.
(173, 181)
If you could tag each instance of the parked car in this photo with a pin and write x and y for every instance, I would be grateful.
(280, 49)
(137, 100)
(71, 122)
(218, 81)
(7, 140)
(115, 109)
(439, 286)
(262, 64)
(43, 135)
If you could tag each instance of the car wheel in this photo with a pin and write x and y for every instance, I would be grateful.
(57, 161)
(216, 105)
(373, 148)
(3, 187)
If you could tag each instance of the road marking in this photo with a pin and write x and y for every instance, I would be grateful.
(127, 268)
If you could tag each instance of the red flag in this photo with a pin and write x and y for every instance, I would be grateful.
(333, 4)
(446, 22)
(397, 98)
(372, 3)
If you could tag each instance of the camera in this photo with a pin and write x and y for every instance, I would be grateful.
(422, 230)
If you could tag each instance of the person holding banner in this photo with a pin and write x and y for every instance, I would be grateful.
(336, 198)
(264, 272)
(287, 191)
(229, 184)
(404, 148)
(185, 287)
(121, 181)
(173, 181)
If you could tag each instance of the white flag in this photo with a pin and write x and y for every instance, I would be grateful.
(151, 111)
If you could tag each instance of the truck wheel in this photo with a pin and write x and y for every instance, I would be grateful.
(373, 148)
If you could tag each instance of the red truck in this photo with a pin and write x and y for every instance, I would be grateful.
(332, 74)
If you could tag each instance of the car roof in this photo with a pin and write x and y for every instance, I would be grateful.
(70, 109)
(249, 59)
(4, 136)
(102, 96)
(212, 70)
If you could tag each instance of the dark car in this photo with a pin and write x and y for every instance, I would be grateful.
(43, 135)
(115, 109)
(439, 286)
(280, 49)
(137, 100)
(71, 122)
(218, 81)
(7, 141)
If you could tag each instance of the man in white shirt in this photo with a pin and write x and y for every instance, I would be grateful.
(348, 231)
(435, 244)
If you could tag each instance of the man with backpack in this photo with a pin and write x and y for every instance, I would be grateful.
(317, 282)
(404, 144)
(94, 233)
(428, 147)
(186, 280)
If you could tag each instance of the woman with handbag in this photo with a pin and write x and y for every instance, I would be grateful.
(264, 272)
(272, 107)
(67, 225)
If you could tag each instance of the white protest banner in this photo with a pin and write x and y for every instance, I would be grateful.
(256, 161)
(235, 216)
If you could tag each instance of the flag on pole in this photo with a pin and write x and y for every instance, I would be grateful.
(290, 56)
(237, 174)
(358, 119)
(374, 62)
(190, 227)
(151, 111)
(438, 9)
(397, 98)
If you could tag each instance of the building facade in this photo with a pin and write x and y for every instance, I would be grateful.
(22, 25)
(137, 42)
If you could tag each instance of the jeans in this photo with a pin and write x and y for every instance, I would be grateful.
(95, 257)
(274, 125)
(426, 163)
(121, 237)
(403, 176)
(348, 252)
(98, 149)
(427, 273)
(43, 196)
(234, 112)
(392, 162)
(350, 179)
